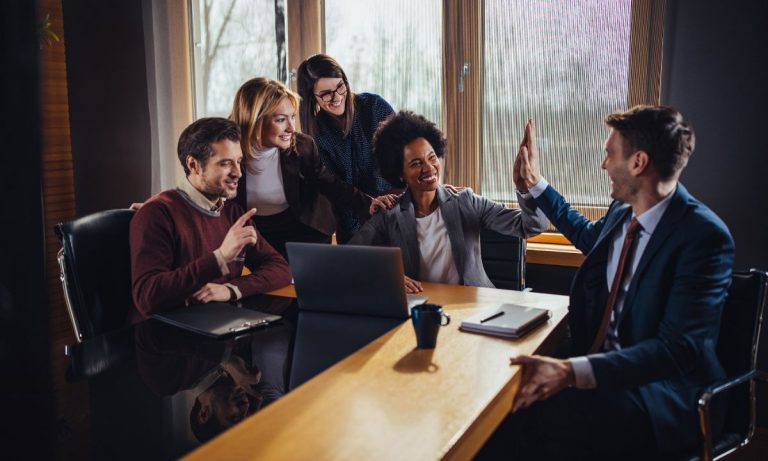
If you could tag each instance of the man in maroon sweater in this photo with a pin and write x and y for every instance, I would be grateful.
(189, 244)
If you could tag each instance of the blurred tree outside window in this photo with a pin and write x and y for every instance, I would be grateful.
(392, 48)
(234, 41)
(565, 64)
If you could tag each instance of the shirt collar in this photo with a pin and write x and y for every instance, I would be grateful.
(198, 198)
(652, 216)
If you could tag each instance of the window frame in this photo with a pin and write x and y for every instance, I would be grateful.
(463, 33)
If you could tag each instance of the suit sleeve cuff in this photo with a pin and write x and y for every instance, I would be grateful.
(538, 188)
(583, 373)
(221, 261)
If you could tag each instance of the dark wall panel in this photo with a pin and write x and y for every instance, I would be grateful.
(26, 397)
(108, 102)
(715, 72)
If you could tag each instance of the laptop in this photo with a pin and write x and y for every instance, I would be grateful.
(350, 279)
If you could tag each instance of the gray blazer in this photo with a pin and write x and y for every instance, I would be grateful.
(465, 214)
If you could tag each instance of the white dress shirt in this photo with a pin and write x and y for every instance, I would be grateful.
(649, 220)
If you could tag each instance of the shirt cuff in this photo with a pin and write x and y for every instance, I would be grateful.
(583, 373)
(238, 293)
(538, 188)
(222, 262)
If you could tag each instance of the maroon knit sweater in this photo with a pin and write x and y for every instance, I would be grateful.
(172, 244)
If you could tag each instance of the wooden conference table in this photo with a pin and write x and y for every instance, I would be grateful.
(390, 400)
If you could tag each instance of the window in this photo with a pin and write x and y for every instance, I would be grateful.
(477, 68)
(392, 48)
(233, 41)
(565, 64)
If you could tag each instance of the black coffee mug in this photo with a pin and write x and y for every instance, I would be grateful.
(427, 320)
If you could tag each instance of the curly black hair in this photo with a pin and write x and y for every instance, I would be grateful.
(394, 134)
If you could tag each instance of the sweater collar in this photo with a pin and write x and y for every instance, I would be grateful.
(197, 197)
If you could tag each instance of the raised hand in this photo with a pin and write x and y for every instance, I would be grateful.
(239, 236)
(528, 155)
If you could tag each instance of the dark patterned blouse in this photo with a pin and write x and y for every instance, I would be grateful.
(351, 158)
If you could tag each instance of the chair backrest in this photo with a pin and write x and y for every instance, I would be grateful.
(503, 259)
(738, 342)
(95, 264)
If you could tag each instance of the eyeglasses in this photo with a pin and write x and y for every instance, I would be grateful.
(327, 96)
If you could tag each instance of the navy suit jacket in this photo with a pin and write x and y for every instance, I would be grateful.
(671, 314)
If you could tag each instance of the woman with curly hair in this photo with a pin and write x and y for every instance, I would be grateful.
(437, 229)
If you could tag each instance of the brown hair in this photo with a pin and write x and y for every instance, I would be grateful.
(310, 71)
(196, 139)
(658, 130)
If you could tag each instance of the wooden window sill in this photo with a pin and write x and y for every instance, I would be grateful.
(552, 249)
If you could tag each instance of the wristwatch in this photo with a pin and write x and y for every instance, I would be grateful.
(232, 293)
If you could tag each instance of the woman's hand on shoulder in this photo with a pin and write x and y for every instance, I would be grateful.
(454, 189)
(383, 202)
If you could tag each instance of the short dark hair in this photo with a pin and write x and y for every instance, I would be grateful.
(196, 139)
(658, 130)
(394, 134)
(310, 71)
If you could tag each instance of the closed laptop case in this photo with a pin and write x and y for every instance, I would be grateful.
(217, 319)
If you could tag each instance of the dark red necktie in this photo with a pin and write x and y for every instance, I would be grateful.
(624, 261)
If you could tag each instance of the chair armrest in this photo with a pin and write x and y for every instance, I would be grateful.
(728, 384)
(705, 424)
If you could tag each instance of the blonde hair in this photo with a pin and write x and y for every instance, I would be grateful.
(254, 102)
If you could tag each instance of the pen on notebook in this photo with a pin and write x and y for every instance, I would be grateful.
(491, 317)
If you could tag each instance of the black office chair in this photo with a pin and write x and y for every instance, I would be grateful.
(737, 349)
(503, 259)
(95, 265)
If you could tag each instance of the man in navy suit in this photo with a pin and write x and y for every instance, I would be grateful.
(645, 305)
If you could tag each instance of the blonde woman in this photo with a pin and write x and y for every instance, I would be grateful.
(283, 176)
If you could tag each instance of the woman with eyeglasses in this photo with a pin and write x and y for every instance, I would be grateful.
(283, 176)
(342, 124)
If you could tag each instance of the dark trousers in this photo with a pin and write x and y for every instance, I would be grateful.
(576, 425)
(285, 227)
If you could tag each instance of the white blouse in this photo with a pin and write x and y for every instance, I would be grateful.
(436, 264)
(264, 183)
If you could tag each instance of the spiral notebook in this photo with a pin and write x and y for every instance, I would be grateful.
(217, 319)
(508, 321)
